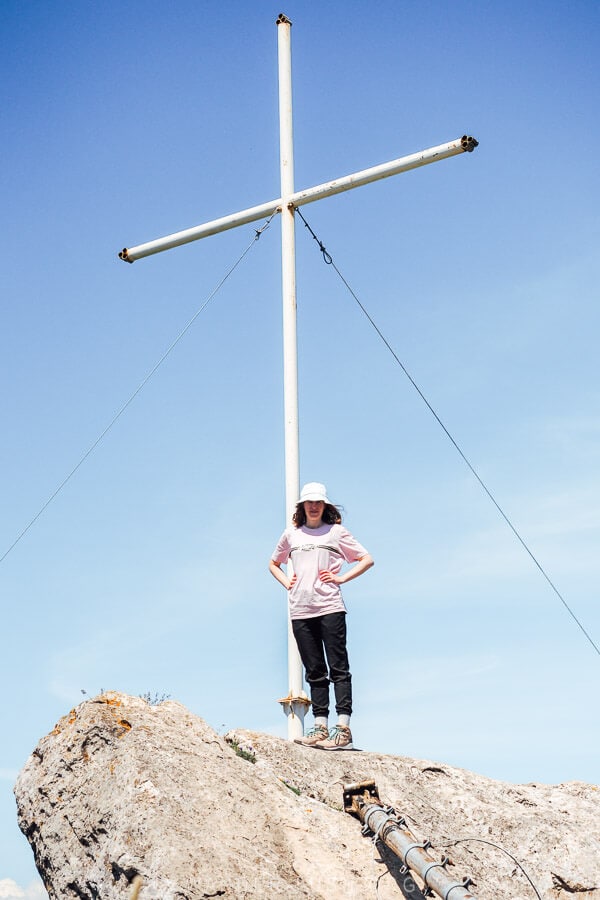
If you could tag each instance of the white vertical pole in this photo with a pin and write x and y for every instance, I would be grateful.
(294, 707)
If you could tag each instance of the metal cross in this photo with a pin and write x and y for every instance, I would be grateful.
(296, 701)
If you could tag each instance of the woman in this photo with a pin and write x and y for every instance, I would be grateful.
(317, 545)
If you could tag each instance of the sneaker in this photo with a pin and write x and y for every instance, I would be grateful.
(312, 737)
(339, 738)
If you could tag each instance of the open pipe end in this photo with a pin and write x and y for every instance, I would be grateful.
(124, 255)
(468, 143)
(282, 20)
(365, 791)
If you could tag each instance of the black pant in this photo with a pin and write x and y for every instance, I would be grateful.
(316, 638)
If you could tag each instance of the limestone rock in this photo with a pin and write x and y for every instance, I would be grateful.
(121, 788)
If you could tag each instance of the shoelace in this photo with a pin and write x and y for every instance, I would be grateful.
(338, 731)
(318, 729)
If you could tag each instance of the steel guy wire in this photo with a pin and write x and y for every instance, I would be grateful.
(455, 841)
(498, 847)
(258, 232)
(329, 260)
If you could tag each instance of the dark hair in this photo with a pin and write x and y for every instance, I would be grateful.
(331, 515)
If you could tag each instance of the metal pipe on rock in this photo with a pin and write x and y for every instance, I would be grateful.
(362, 801)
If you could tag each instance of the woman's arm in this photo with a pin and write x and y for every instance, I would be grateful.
(364, 563)
(278, 573)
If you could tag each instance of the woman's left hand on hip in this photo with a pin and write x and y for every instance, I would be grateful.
(327, 576)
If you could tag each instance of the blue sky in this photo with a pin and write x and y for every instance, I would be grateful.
(148, 572)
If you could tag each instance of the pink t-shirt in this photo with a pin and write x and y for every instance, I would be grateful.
(311, 550)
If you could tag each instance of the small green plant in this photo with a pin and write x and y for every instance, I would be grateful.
(246, 751)
(294, 790)
(154, 699)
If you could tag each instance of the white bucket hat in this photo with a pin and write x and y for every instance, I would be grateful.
(314, 491)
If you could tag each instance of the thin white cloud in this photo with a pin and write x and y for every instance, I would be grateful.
(402, 682)
(569, 513)
(562, 530)
(10, 890)
(579, 435)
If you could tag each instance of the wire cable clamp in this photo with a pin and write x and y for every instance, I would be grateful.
(434, 865)
(424, 846)
(458, 884)
(389, 818)
(327, 257)
(259, 231)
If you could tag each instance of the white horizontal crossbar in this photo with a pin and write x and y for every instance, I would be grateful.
(462, 145)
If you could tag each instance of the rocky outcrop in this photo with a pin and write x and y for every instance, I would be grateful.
(122, 788)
